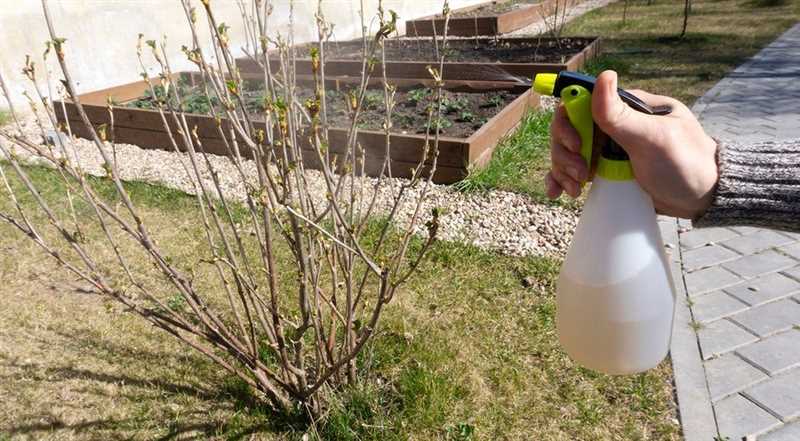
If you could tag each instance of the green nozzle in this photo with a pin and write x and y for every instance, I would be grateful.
(545, 83)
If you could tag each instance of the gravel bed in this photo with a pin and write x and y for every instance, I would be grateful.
(497, 220)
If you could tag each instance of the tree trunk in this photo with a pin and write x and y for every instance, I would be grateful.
(624, 12)
(687, 8)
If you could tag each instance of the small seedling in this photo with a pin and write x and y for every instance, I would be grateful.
(494, 101)
(466, 116)
(439, 124)
(198, 103)
(405, 121)
(372, 99)
(454, 105)
(418, 95)
(480, 122)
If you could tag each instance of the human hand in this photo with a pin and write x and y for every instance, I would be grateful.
(673, 159)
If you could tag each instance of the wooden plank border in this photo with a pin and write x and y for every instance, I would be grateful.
(145, 128)
(497, 24)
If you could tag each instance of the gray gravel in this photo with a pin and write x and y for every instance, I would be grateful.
(497, 220)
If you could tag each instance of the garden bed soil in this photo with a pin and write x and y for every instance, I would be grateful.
(464, 141)
(462, 113)
(482, 59)
(491, 18)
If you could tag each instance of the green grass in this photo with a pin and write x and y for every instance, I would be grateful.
(464, 352)
(516, 158)
(721, 35)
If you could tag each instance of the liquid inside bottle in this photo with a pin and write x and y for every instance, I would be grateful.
(615, 298)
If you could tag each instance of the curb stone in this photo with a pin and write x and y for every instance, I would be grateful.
(694, 404)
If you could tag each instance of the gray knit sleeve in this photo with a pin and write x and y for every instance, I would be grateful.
(759, 185)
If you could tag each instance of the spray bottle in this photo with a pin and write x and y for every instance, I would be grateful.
(615, 295)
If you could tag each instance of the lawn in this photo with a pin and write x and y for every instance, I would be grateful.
(465, 352)
(648, 55)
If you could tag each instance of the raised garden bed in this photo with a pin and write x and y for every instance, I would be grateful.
(483, 59)
(476, 117)
(491, 18)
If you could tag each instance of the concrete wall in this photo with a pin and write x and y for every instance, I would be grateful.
(102, 34)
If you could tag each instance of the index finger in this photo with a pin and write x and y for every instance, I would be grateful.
(562, 132)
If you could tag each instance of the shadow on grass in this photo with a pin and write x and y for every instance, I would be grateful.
(369, 410)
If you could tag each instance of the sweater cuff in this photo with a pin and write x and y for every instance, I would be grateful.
(759, 185)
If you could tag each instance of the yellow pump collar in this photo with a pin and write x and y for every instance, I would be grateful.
(545, 83)
(614, 170)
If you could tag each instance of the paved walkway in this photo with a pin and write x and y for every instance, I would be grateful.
(742, 285)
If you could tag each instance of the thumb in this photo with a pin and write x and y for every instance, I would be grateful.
(629, 128)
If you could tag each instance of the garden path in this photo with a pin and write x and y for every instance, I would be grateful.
(737, 368)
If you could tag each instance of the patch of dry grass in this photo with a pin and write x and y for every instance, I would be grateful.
(465, 353)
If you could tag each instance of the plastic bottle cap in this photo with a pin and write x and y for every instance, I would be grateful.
(545, 83)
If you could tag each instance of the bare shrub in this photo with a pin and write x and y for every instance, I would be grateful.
(293, 289)
(555, 17)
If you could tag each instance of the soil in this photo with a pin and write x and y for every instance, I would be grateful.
(490, 50)
(462, 113)
(492, 9)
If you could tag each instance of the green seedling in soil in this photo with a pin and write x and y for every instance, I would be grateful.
(494, 101)
(405, 120)
(372, 99)
(466, 116)
(439, 124)
(455, 105)
(418, 95)
(201, 104)
(150, 98)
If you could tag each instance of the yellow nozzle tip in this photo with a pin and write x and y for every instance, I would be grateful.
(545, 83)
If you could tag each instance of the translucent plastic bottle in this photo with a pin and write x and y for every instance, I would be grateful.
(615, 299)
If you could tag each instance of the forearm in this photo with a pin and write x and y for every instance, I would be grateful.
(759, 185)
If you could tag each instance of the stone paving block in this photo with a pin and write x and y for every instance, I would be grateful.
(762, 263)
(707, 256)
(709, 279)
(764, 289)
(702, 236)
(789, 432)
(729, 374)
(791, 234)
(738, 417)
(722, 336)
(770, 318)
(746, 230)
(716, 305)
(775, 353)
(781, 395)
(792, 250)
(669, 234)
(793, 273)
(758, 241)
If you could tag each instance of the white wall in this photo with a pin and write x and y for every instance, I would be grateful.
(102, 34)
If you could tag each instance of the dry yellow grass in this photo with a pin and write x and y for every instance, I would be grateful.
(466, 353)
